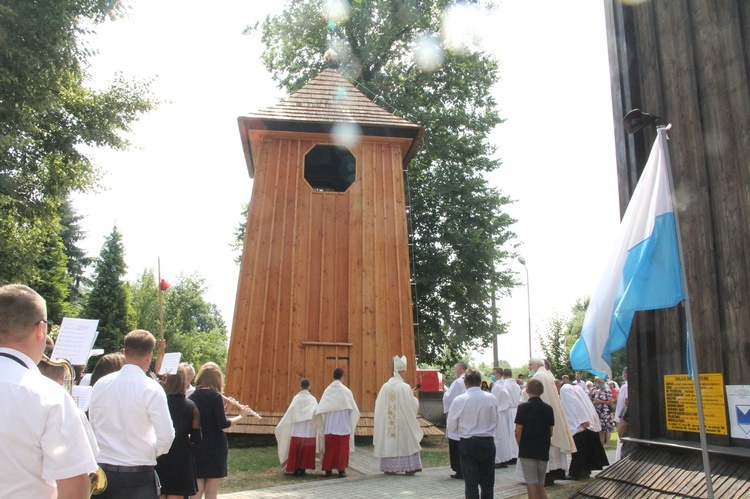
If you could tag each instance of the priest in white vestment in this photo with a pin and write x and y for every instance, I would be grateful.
(335, 419)
(562, 441)
(295, 434)
(397, 432)
(502, 437)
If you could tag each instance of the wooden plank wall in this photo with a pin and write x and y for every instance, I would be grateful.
(324, 278)
(689, 62)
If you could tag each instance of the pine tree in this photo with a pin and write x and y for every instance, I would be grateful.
(109, 300)
(78, 261)
(51, 280)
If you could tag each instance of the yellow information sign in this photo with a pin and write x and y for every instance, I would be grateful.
(682, 408)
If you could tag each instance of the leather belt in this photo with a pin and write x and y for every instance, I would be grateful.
(126, 469)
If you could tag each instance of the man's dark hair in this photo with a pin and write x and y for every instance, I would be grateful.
(507, 373)
(139, 343)
(304, 384)
(338, 373)
(472, 377)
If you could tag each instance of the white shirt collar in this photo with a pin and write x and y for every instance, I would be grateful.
(21, 356)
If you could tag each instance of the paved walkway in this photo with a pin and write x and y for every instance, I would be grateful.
(432, 483)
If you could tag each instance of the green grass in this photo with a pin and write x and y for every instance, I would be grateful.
(256, 468)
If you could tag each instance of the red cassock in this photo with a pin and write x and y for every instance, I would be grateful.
(337, 452)
(301, 454)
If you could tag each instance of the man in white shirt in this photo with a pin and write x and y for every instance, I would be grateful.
(131, 421)
(44, 451)
(474, 417)
(579, 382)
(336, 418)
(295, 434)
(457, 388)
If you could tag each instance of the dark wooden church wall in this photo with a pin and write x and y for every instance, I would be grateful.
(689, 62)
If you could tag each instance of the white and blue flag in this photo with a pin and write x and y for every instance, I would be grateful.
(643, 272)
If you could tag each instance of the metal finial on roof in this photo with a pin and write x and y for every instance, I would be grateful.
(332, 58)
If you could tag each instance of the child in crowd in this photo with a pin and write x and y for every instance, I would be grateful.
(534, 422)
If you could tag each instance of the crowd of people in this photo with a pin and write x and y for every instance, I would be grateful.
(142, 432)
(163, 437)
(534, 424)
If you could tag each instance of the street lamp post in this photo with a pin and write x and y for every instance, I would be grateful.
(495, 360)
(522, 261)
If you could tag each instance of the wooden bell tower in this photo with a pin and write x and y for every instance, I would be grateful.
(325, 277)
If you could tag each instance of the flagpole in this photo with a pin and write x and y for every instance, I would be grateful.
(662, 134)
(161, 309)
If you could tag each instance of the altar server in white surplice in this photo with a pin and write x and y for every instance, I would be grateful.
(502, 437)
(514, 390)
(336, 419)
(397, 432)
(457, 388)
(295, 434)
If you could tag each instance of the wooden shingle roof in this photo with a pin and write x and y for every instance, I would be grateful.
(325, 101)
(331, 98)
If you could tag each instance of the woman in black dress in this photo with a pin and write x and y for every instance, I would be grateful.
(211, 454)
(176, 469)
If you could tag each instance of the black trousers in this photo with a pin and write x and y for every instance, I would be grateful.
(138, 485)
(454, 457)
(478, 464)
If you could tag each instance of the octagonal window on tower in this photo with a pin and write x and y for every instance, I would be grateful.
(330, 168)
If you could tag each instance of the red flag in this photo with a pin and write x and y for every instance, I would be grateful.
(164, 285)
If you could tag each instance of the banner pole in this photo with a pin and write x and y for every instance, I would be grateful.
(693, 360)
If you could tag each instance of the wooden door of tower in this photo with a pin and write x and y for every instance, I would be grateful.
(321, 358)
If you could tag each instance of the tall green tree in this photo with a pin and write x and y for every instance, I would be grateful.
(109, 299)
(78, 261)
(192, 326)
(239, 234)
(553, 345)
(51, 280)
(144, 298)
(562, 333)
(46, 114)
(460, 233)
